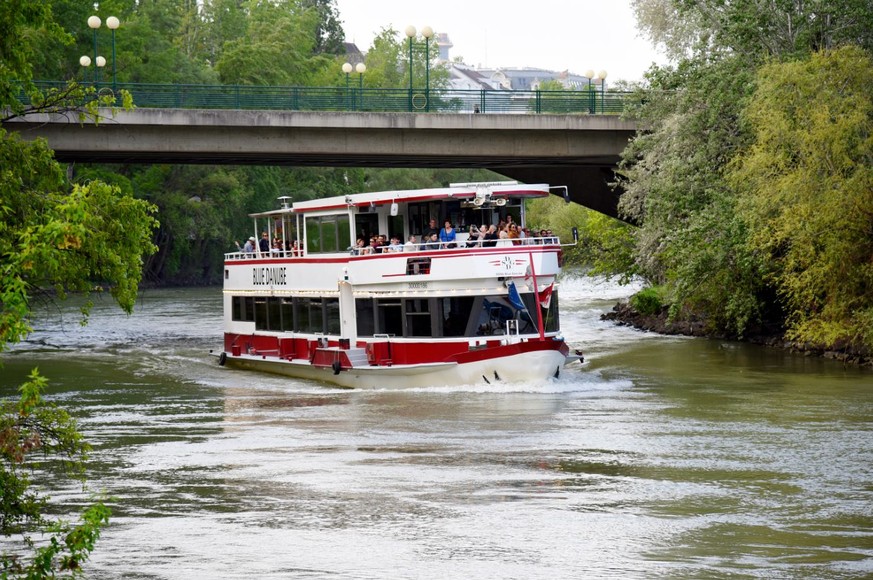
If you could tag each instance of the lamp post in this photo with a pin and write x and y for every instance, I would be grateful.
(427, 33)
(602, 76)
(85, 62)
(94, 23)
(113, 23)
(589, 74)
(361, 68)
(347, 68)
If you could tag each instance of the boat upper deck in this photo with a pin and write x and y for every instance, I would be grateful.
(488, 217)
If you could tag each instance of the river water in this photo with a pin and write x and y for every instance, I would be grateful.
(660, 457)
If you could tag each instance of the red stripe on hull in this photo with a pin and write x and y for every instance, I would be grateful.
(387, 353)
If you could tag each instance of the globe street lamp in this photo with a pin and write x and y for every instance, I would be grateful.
(427, 33)
(101, 62)
(361, 68)
(347, 68)
(589, 74)
(85, 62)
(602, 76)
(113, 23)
(94, 23)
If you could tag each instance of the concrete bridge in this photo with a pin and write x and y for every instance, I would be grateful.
(579, 151)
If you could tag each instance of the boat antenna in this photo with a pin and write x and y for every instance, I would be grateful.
(284, 200)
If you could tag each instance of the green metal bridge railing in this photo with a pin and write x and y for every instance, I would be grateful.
(291, 98)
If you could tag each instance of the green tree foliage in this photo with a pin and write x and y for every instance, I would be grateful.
(52, 237)
(278, 47)
(807, 192)
(329, 35)
(695, 237)
(689, 239)
(32, 429)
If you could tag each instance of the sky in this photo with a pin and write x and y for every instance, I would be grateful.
(574, 35)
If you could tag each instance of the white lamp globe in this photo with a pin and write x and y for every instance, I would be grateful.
(427, 32)
(85, 60)
(360, 68)
(94, 22)
(347, 67)
(112, 22)
(101, 61)
(410, 31)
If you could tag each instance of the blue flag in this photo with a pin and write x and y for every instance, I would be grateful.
(515, 297)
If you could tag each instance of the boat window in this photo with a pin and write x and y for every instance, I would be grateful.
(366, 226)
(389, 317)
(313, 235)
(420, 215)
(395, 227)
(365, 316)
(329, 233)
(417, 266)
(332, 314)
(495, 310)
(310, 315)
(455, 314)
(287, 309)
(551, 320)
(243, 308)
(418, 320)
(261, 318)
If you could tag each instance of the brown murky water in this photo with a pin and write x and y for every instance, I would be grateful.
(660, 457)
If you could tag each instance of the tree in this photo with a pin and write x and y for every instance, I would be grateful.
(329, 35)
(693, 238)
(59, 238)
(277, 48)
(806, 187)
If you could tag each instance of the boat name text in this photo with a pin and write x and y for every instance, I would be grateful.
(418, 285)
(268, 276)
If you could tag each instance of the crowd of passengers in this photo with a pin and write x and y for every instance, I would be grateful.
(504, 233)
(265, 246)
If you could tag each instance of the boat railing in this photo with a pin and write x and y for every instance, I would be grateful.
(407, 248)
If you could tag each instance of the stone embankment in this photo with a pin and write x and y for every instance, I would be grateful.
(624, 314)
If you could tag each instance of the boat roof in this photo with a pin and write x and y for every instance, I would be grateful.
(495, 189)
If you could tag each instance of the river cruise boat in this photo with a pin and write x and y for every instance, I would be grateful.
(324, 303)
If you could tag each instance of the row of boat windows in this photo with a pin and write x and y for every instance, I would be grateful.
(408, 317)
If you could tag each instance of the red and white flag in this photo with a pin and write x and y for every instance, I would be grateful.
(546, 296)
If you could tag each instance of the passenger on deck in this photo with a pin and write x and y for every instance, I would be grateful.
(473, 240)
(411, 245)
(512, 233)
(265, 243)
(448, 236)
(433, 243)
(430, 229)
(361, 248)
(491, 237)
(395, 245)
(249, 247)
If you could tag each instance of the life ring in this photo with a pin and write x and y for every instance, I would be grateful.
(222, 358)
(336, 366)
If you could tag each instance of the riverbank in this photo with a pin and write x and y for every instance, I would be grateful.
(624, 314)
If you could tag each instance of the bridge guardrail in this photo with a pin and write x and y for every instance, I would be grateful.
(291, 98)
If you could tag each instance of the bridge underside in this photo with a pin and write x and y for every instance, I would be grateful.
(580, 152)
(587, 181)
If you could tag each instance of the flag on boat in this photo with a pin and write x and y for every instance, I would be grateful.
(515, 297)
(546, 296)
